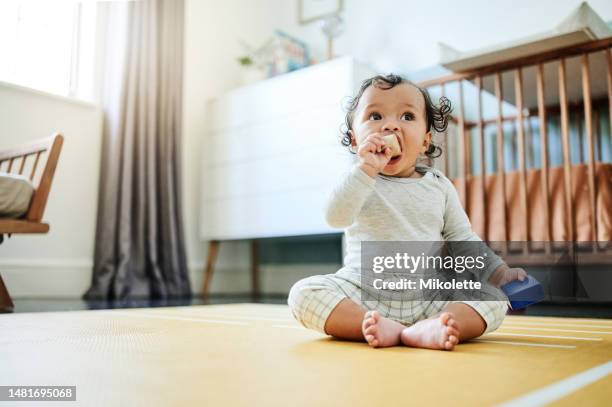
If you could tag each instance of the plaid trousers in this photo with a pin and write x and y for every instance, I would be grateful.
(312, 300)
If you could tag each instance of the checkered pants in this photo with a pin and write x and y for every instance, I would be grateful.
(312, 300)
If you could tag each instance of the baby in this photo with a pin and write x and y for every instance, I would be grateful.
(387, 196)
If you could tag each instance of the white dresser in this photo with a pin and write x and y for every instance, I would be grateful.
(272, 153)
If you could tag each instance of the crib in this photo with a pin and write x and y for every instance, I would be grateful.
(529, 151)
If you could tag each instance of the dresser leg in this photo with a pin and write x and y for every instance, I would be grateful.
(213, 249)
(255, 270)
(6, 304)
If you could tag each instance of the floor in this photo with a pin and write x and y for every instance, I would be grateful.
(564, 309)
(77, 304)
(256, 354)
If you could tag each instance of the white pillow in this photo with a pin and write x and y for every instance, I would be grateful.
(15, 195)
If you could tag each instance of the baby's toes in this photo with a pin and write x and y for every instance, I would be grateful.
(452, 323)
(375, 316)
(368, 320)
(452, 331)
(450, 343)
(372, 330)
(445, 317)
(371, 340)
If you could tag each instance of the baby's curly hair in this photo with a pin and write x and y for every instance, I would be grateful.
(437, 117)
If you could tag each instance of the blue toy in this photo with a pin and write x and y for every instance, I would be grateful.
(523, 293)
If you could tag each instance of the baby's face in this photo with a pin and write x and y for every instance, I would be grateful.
(400, 109)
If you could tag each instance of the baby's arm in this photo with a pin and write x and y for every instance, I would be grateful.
(457, 227)
(348, 198)
(350, 195)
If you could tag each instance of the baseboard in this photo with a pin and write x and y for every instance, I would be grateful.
(46, 278)
(71, 278)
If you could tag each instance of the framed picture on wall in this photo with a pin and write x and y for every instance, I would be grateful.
(313, 10)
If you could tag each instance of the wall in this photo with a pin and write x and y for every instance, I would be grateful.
(211, 48)
(410, 41)
(57, 264)
(391, 35)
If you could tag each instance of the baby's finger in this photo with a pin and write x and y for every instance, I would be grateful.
(377, 140)
(516, 273)
(367, 148)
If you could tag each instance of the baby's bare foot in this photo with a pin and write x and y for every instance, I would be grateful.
(440, 332)
(380, 332)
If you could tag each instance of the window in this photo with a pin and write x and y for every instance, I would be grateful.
(48, 45)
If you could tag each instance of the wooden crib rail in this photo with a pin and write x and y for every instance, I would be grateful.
(17, 158)
(555, 55)
(565, 107)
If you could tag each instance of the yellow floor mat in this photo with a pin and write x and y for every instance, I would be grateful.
(253, 354)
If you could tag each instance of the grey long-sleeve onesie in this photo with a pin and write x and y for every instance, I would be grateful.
(389, 209)
(399, 209)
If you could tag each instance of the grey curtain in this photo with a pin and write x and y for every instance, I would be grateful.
(140, 251)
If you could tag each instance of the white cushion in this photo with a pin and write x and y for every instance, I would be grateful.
(15, 195)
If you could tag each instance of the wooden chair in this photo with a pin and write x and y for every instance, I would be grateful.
(31, 222)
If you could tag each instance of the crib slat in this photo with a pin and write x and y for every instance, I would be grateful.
(518, 93)
(567, 172)
(609, 75)
(463, 151)
(501, 167)
(10, 166)
(609, 54)
(529, 154)
(446, 149)
(597, 134)
(579, 134)
(544, 152)
(586, 94)
(483, 171)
